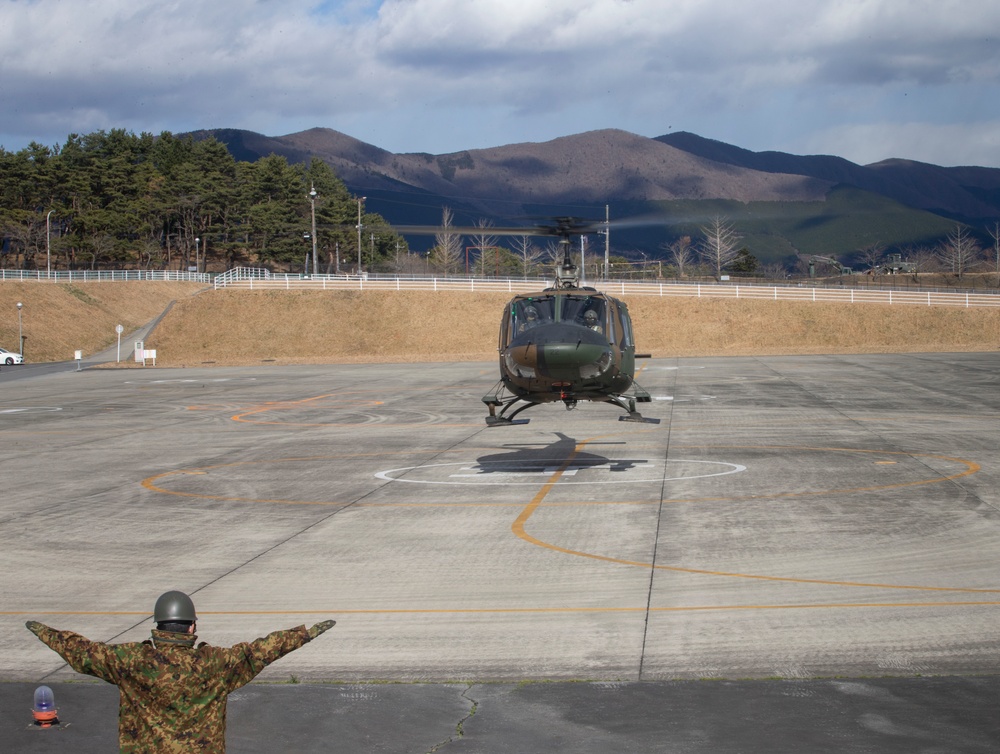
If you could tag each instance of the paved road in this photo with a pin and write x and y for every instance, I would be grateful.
(825, 521)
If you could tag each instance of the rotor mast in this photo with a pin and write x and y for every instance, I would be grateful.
(567, 273)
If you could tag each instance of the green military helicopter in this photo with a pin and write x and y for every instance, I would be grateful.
(567, 343)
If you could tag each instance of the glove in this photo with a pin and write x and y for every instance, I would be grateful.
(320, 628)
(34, 626)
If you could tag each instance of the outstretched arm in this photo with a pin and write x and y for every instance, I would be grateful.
(83, 655)
(245, 661)
(321, 628)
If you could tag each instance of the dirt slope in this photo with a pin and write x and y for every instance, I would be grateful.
(315, 327)
(58, 319)
(246, 327)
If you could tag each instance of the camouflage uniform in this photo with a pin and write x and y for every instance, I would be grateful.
(173, 693)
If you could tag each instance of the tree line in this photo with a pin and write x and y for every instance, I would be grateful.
(117, 200)
(719, 250)
(125, 201)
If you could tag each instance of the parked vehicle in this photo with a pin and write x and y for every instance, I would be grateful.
(9, 357)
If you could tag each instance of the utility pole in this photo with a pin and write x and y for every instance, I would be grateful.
(312, 201)
(48, 244)
(607, 238)
(360, 199)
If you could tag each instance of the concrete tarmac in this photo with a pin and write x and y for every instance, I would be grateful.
(802, 555)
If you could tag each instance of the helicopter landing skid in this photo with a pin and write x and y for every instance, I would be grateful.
(634, 416)
(496, 420)
(631, 415)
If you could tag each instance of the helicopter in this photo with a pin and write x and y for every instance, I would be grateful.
(567, 343)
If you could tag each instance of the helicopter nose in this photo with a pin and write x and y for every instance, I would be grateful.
(563, 353)
(573, 361)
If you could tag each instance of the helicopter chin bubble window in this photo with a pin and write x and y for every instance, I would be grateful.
(596, 368)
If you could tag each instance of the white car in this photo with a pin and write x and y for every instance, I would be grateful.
(9, 357)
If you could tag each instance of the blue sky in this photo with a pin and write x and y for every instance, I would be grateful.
(862, 79)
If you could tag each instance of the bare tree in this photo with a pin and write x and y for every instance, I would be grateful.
(959, 251)
(483, 241)
(553, 254)
(871, 257)
(720, 245)
(773, 271)
(681, 252)
(922, 258)
(447, 252)
(528, 254)
(995, 235)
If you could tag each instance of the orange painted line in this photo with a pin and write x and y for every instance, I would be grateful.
(275, 405)
(518, 527)
(150, 483)
(280, 405)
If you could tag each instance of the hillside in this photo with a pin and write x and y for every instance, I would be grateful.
(230, 327)
(675, 181)
(968, 192)
(58, 319)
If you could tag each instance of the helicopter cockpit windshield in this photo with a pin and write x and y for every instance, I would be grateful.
(533, 312)
(581, 310)
(584, 310)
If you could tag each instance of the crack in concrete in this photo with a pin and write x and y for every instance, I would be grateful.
(460, 727)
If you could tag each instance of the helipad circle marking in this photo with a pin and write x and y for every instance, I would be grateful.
(504, 472)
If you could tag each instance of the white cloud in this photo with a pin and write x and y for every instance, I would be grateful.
(486, 72)
(948, 145)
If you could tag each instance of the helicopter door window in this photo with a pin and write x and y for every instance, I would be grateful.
(626, 326)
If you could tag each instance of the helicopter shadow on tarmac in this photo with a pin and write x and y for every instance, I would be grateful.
(561, 455)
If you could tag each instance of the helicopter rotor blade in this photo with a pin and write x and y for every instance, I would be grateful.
(557, 227)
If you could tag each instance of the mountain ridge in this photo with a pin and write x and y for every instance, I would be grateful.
(915, 184)
(594, 165)
(681, 172)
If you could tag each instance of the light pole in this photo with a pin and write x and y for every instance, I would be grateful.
(360, 199)
(607, 239)
(48, 246)
(197, 254)
(312, 201)
(20, 336)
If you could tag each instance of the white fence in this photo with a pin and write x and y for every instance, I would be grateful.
(100, 276)
(616, 288)
(261, 279)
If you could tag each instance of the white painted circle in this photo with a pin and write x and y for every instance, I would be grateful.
(541, 471)
(30, 410)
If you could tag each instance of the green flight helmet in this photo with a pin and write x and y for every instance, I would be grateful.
(174, 607)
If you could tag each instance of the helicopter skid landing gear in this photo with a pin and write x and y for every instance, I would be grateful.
(631, 414)
(495, 420)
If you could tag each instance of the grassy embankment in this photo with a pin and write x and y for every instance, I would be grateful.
(305, 327)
